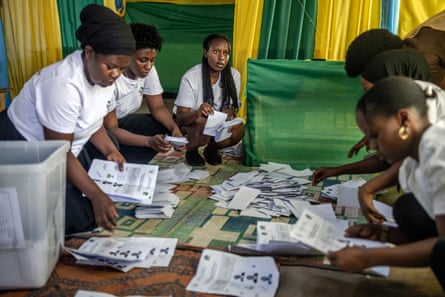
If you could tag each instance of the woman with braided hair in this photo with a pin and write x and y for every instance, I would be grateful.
(211, 85)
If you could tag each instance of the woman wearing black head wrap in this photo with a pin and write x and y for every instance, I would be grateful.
(68, 100)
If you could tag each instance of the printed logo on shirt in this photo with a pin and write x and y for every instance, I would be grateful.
(109, 104)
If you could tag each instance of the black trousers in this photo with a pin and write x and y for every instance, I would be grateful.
(414, 222)
(79, 210)
(142, 124)
(438, 261)
(412, 219)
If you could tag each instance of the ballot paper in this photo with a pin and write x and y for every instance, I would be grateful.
(176, 141)
(317, 232)
(136, 183)
(325, 235)
(243, 197)
(214, 121)
(223, 132)
(126, 253)
(347, 193)
(162, 207)
(229, 274)
(11, 228)
(275, 238)
(218, 126)
(175, 174)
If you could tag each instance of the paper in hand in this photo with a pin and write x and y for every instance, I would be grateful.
(176, 141)
(214, 121)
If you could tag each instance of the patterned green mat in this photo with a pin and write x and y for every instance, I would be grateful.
(197, 221)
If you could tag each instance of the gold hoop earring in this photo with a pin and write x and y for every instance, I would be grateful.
(403, 133)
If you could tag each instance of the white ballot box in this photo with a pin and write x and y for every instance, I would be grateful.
(32, 211)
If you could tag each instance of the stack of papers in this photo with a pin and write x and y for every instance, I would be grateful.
(229, 274)
(273, 190)
(316, 232)
(136, 183)
(276, 238)
(164, 201)
(325, 236)
(162, 207)
(126, 253)
(180, 173)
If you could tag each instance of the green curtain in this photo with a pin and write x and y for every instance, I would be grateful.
(69, 12)
(183, 28)
(300, 112)
(288, 29)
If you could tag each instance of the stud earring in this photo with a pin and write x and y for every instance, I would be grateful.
(403, 133)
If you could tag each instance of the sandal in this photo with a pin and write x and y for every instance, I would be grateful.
(194, 158)
(213, 157)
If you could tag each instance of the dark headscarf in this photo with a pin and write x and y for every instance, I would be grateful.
(403, 62)
(367, 45)
(105, 31)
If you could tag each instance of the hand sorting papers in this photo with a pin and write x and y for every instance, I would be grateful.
(218, 127)
(229, 274)
(325, 235)
(176, 141)
(126, 253)
(136, 183)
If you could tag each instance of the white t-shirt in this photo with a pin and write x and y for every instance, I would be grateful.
(436, 113)
(60, 98)
(426, 179)
(436, 105)
(190, 93)
(129, 92)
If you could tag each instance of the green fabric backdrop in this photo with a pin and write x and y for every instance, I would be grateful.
(300, 112)
(69, 12)
(288, 29)
(183, 28)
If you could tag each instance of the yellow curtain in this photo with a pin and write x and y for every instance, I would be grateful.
(339, 22)
(32, 38)
(246, 36)
(414, 12)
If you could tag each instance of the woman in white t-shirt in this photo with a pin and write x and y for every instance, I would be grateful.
(68, 100)
(211, 85)
(398, 128)
(141, 136)
(405, 62)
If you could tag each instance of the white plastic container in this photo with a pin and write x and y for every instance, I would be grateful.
(37, 170)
